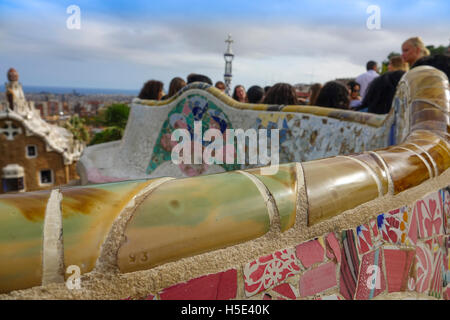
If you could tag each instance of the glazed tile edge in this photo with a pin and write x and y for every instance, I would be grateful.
(391, 191)
(52, 247)
(107, 259)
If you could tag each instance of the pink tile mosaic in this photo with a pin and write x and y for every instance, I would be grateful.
(423, 268)
(218, 286)
(430, 215)
(349, 267)
(376, 236)
(363, 238)
(310, 252)
(393, 225)
(438, 268)
(371, 281)
(318, 279)
(447, 261)
(270, 270)
(413, 233)
(286, 290)
(333, 247)
(398, 268)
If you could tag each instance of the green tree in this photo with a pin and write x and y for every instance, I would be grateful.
(115, 119)
(77, 127)
(107, 135)
(117, 115)
(439, 50)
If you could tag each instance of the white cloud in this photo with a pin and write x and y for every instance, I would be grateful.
(266, 52)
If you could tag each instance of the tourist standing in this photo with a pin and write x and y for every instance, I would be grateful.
(413, 49)
(239, 93)
(367, 77)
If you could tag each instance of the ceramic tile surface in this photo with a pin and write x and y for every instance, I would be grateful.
(318, 279)
(269, 270)
(219, 286)
(310, 252)
(398, 268)
(430, 215)
(371, 280)
(349, 265)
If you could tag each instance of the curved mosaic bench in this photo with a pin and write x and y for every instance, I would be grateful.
(314, 230)
(305, 133)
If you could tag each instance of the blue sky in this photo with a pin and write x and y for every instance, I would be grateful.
(121, 44)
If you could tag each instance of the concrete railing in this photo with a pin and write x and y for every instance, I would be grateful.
(310, 230)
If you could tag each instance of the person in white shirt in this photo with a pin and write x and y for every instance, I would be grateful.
(366, 78)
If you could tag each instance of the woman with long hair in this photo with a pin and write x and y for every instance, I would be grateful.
(281, 94)
(152, 90)
(334, 95)
(239, 93)
(175, 85)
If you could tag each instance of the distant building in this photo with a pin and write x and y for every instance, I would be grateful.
(34, 154)
(344, 81)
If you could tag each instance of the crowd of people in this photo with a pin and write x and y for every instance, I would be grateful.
(369, 92)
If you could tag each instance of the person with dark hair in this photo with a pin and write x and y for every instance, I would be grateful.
(220, 85)
(355, 98)
(152, 90)
(313, 93)
(255, 94)
(194, 77)
(381, 93)
(239, 93)
(367, 77)
(175, 85)
(281, 94)
(334, 95)
(439, 61)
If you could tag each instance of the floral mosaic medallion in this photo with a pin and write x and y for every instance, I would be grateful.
(270, 270)
(193, 108)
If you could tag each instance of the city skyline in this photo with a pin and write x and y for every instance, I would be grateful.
(120, 46)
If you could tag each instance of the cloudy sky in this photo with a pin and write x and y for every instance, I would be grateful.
(121, 44)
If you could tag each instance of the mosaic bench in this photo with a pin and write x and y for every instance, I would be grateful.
(369, 225)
